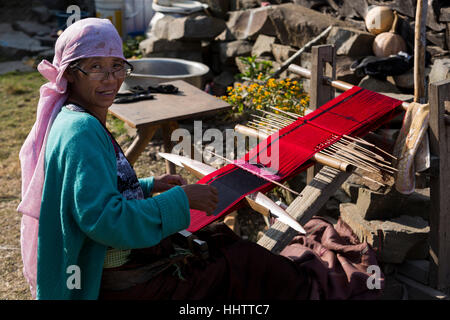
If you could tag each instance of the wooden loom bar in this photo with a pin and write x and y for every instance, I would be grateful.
(337, 84)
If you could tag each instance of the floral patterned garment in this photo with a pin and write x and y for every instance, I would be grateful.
(127, 181)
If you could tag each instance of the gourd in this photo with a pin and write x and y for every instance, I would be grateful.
(379, 19)
(388, 43)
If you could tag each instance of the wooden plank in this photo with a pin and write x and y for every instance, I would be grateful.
(320, 91)
(189, 102)
(439, 93)
(304, 207)
(420, 44)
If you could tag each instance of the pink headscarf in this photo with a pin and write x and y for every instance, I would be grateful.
(91, 37)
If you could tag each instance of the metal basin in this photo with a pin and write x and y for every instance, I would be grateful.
(152, 71)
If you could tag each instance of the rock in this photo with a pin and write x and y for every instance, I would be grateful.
(249, 4)
(263, 46)
(406, 80)
(433, 16)
(186, 55)
(193, 27)
(296, 25)
(281, 53)
(12, 66)
(6, 28)
(226, 35)
(343, 71)
(440, 70)
(42, 13)
(32, 28)
(395, 240)
(311, 4)
(405, 7)
(445, 15)
(351, 42)
(352, 8)
(385, 205)
(219, 8)
(196, 27)
(377, 85)
(437, 38)
(249, 24)
(46, 40)
(160, 29)
(17, 44)
(153, 44)
(230, 50)
(436, 52)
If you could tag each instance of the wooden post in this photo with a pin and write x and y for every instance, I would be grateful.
(439, 239)
(321, 92)
(420, 43)
(143, 137)
(167, 129)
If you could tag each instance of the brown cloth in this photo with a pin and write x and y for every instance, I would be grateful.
(327, 263)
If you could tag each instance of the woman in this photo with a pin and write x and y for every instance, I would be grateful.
(91, 228)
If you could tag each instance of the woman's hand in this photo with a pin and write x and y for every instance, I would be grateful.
(167, 181)
(202, 197)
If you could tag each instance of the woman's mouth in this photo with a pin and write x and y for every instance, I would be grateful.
(107, 93)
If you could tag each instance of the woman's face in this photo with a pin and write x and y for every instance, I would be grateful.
(95, 93)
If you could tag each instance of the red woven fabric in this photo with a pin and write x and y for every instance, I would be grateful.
(286, 153)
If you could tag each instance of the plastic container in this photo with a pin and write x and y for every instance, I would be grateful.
(130, 17)
(138, 15)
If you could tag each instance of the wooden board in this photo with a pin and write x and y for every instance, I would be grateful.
(304, 207)
(440, 188)
(189, 102)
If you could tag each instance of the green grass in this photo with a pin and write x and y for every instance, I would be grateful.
(19, 94)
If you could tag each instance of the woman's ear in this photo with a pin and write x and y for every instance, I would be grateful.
(69, 75)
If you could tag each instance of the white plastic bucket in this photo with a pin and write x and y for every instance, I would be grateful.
(128, 16)
(112, 10)
(138, 15)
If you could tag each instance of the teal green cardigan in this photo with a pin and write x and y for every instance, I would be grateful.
(83, 213)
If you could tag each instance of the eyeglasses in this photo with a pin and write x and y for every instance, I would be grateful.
(120, 73)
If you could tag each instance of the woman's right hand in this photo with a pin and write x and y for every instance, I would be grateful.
(202, 197)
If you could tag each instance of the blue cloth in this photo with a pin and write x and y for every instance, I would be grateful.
(83, 212)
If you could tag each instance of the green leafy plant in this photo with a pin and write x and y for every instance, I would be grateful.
(254, 68)
(131, 47)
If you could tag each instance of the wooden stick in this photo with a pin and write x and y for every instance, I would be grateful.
(286, 64)
(419, 51)
(319, 157)
(265, 178)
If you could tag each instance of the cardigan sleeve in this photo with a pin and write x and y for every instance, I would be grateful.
(101, 212)
(147, 185)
